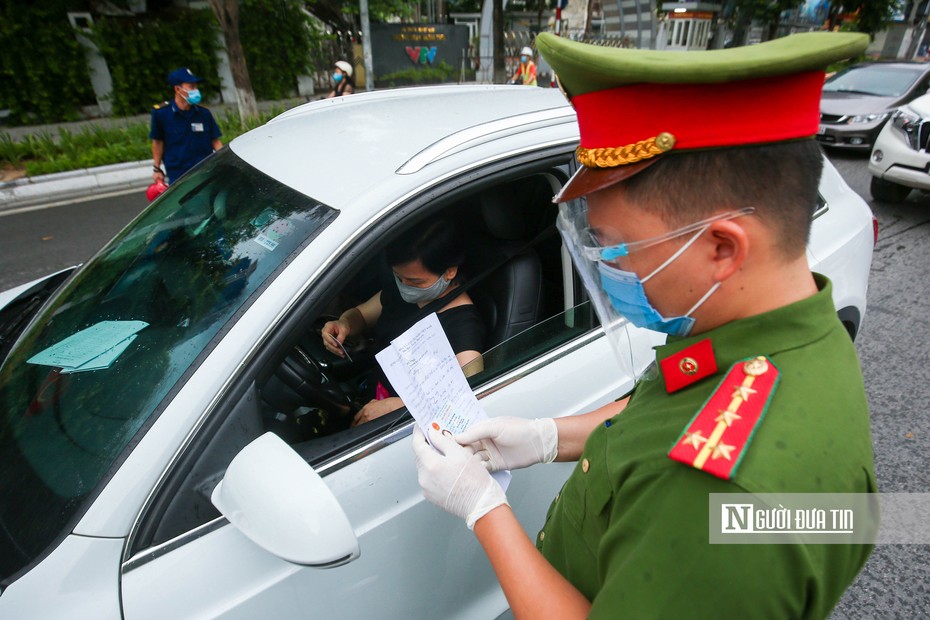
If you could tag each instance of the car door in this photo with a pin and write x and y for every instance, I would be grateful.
(414, 560)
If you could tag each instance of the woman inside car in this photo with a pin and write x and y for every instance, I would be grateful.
(426, 265)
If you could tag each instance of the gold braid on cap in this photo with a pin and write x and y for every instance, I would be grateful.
(611, 157)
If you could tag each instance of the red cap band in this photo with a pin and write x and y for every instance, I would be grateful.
(757, 111)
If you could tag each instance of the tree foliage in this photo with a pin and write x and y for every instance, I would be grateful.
(141, 50)
(869, 16)
(43, 68)
(280, 43)
(343, 15)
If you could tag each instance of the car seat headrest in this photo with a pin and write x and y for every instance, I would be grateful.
(502, 213)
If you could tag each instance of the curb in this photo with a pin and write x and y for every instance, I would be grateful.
(74, 184)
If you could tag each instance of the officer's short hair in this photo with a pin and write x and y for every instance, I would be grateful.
(779, 180)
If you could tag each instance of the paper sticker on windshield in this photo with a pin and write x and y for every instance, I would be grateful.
(93, 348)
(270, 237)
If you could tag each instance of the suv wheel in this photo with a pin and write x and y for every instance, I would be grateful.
(886, 191)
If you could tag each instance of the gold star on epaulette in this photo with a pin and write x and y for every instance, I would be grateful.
(742, 391)
(694, 439)
(728, 417)
(722, 449)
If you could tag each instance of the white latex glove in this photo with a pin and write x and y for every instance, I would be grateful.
(512, 443)
(456, 480)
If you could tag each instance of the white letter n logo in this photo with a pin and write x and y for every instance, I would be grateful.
(735, 518)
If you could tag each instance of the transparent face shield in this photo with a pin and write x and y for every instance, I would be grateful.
(632, 345)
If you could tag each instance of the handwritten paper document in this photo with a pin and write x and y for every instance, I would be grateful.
(421, 366)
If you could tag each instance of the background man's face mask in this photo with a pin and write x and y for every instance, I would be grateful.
(416, 295)
(193, 96)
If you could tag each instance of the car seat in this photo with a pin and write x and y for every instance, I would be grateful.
(510, 298)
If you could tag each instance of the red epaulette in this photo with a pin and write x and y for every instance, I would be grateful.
(718, 435)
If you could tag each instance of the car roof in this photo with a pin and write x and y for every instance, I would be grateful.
(336, 150)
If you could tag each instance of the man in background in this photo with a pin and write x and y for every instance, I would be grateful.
(183, 132)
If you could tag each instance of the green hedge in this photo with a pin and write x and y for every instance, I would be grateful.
(140, 52)
(279, 41)
(443, 72)
(43, 70)
(45, 152)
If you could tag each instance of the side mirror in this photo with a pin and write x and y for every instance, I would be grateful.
(282, 505)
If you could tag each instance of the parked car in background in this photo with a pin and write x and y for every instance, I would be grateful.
(128, 387)
(857, 101)
(900, 160)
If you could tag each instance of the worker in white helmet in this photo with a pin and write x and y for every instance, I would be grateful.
(526, 72)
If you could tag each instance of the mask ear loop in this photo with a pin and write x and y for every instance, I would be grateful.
(680, 251)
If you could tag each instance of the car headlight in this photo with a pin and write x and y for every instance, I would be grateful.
(876, 117)
(908, 123)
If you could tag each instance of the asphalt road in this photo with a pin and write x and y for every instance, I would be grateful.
(40, 241)
(892, 345)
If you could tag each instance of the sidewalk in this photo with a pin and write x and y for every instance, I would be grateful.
(31, 191)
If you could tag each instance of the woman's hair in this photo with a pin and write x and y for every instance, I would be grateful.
(435, 242)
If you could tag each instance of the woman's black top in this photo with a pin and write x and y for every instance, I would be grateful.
(462, 324)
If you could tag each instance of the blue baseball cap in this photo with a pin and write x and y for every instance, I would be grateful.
(182, 76)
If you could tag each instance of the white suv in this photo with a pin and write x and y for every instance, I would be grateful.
(900, 159)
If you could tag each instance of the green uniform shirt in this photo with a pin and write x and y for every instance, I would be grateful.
(630, 527)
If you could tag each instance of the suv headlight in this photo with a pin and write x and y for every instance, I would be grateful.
(908, 123)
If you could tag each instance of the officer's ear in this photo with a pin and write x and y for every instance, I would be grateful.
(730, 247)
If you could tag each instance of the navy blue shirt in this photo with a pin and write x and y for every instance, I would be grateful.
(188, 135)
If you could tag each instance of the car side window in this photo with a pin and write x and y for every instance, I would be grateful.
(515, 278)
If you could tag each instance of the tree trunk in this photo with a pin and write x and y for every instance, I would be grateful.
(500, 70)
(227, 13)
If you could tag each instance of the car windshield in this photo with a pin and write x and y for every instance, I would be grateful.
(878, 80)
(102, 355)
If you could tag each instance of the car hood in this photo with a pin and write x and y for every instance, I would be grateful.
(840, 104)
(921, 106)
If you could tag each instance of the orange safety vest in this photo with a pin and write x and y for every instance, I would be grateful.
(527, 72)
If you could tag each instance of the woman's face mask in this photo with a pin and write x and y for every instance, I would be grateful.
(337, 77)
(417, 295)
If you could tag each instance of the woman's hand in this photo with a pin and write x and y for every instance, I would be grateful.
(376, 409)
(335, 332)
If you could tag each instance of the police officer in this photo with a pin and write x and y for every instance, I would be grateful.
(701, 177)
(183, 132)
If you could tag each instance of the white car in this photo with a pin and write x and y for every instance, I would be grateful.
(900, 161)
(128, 387)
